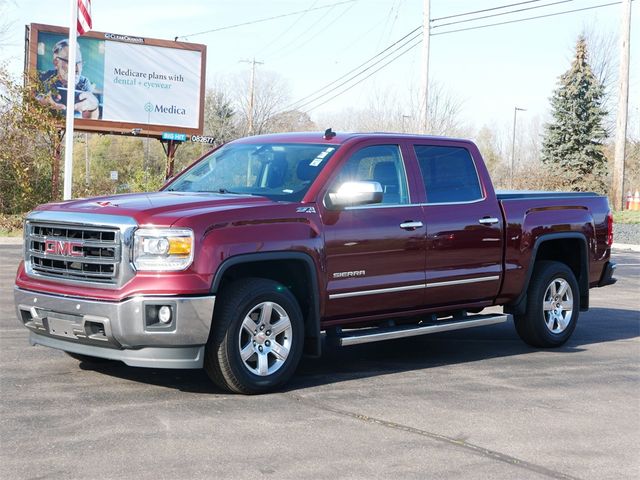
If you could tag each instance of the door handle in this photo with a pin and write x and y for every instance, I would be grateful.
(411, 225)
(488, 220)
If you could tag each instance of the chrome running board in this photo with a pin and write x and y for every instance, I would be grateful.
(356, 337)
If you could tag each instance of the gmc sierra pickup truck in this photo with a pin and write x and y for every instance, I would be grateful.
(267, 245)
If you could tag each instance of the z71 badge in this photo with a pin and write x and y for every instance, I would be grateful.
(306, 210)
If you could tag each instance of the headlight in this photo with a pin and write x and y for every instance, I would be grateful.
(162, 249)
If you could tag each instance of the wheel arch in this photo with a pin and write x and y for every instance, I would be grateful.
(569, 248)
(296, 270)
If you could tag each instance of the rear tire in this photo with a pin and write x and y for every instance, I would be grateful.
(257, 337)
(553, 306)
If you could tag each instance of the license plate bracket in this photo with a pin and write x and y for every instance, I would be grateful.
(60, 327)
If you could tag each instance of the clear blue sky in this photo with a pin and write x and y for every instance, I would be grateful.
(491, 70)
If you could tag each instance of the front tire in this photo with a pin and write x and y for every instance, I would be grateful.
(257, 337)
(553, 306)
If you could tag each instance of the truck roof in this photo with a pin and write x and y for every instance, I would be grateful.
(338, 139)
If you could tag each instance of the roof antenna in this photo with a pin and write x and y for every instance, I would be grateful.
(329, 134)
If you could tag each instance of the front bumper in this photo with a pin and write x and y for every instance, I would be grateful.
(119, 330)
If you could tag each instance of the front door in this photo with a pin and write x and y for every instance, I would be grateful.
(375, 253)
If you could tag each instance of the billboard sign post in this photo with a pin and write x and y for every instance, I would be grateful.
(124, 84)
(142, 84)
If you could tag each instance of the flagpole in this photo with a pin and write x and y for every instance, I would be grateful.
(71, 95)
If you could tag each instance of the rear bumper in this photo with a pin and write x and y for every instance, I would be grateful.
(119, 330)
(607, 275)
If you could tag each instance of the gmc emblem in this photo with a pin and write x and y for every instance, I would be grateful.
(63, 247)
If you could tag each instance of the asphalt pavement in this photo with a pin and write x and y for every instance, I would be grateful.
(470, 404)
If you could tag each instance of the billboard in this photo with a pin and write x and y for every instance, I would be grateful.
(123, 84)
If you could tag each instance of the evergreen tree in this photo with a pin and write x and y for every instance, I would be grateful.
(573, 141)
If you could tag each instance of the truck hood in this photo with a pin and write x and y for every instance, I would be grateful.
(159, 208)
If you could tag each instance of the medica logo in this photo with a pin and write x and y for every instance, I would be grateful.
(171, 109)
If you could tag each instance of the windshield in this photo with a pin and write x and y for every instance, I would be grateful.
(279, 171)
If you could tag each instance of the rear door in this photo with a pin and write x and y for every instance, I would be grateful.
(375, 254)
(464, 225)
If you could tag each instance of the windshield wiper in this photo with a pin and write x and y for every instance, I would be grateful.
(224, 191)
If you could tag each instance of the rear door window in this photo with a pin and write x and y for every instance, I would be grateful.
(449, 174)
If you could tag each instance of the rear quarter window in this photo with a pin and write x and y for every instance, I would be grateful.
(449, 174)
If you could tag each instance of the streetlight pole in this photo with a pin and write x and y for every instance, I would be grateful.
(404, 117)
(513, 142)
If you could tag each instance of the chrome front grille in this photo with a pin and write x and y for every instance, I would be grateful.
(73, 252)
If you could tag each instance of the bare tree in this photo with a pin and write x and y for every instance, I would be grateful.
(219, 115)
(603, 59)
(5, 23)
(271, 93)
(290, 121)
(491, 147)
(394, 110)
(443, 111)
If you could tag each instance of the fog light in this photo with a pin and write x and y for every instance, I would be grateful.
(164, 314)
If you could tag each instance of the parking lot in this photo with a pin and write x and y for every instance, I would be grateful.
(469, 404)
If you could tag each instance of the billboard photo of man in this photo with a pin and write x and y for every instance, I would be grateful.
(53, 89)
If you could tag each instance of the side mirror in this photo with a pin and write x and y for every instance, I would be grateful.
(351, 194)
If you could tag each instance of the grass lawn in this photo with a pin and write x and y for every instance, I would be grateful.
(10, 225)
(627, 216)
(10, 233)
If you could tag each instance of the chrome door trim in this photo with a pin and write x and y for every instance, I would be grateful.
(406, 288)
(376, 291)
(463, 281)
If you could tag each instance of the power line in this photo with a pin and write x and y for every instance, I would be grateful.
(260, 20)
(485, 10)
(419, 35)
(501, 13)
(298, 105)
(365, 78)
(290, 27)
(526, 19)
(315, 93)
(286, 51)
(393, 18)
(294, 104)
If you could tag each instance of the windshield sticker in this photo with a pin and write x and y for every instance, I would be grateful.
(286, 190)
(318, 160)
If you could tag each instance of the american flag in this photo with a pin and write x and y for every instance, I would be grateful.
(84, 16)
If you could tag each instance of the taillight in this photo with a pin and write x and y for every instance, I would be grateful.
(609, 228)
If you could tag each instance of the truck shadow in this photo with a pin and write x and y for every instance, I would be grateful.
(337, 365)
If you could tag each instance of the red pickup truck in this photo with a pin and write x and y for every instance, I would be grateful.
(268, 244)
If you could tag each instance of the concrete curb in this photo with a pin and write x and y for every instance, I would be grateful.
(11, 240)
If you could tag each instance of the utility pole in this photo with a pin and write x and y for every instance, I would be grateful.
(623, 106)
(424, 90)
(251, 92)
(513, 142)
